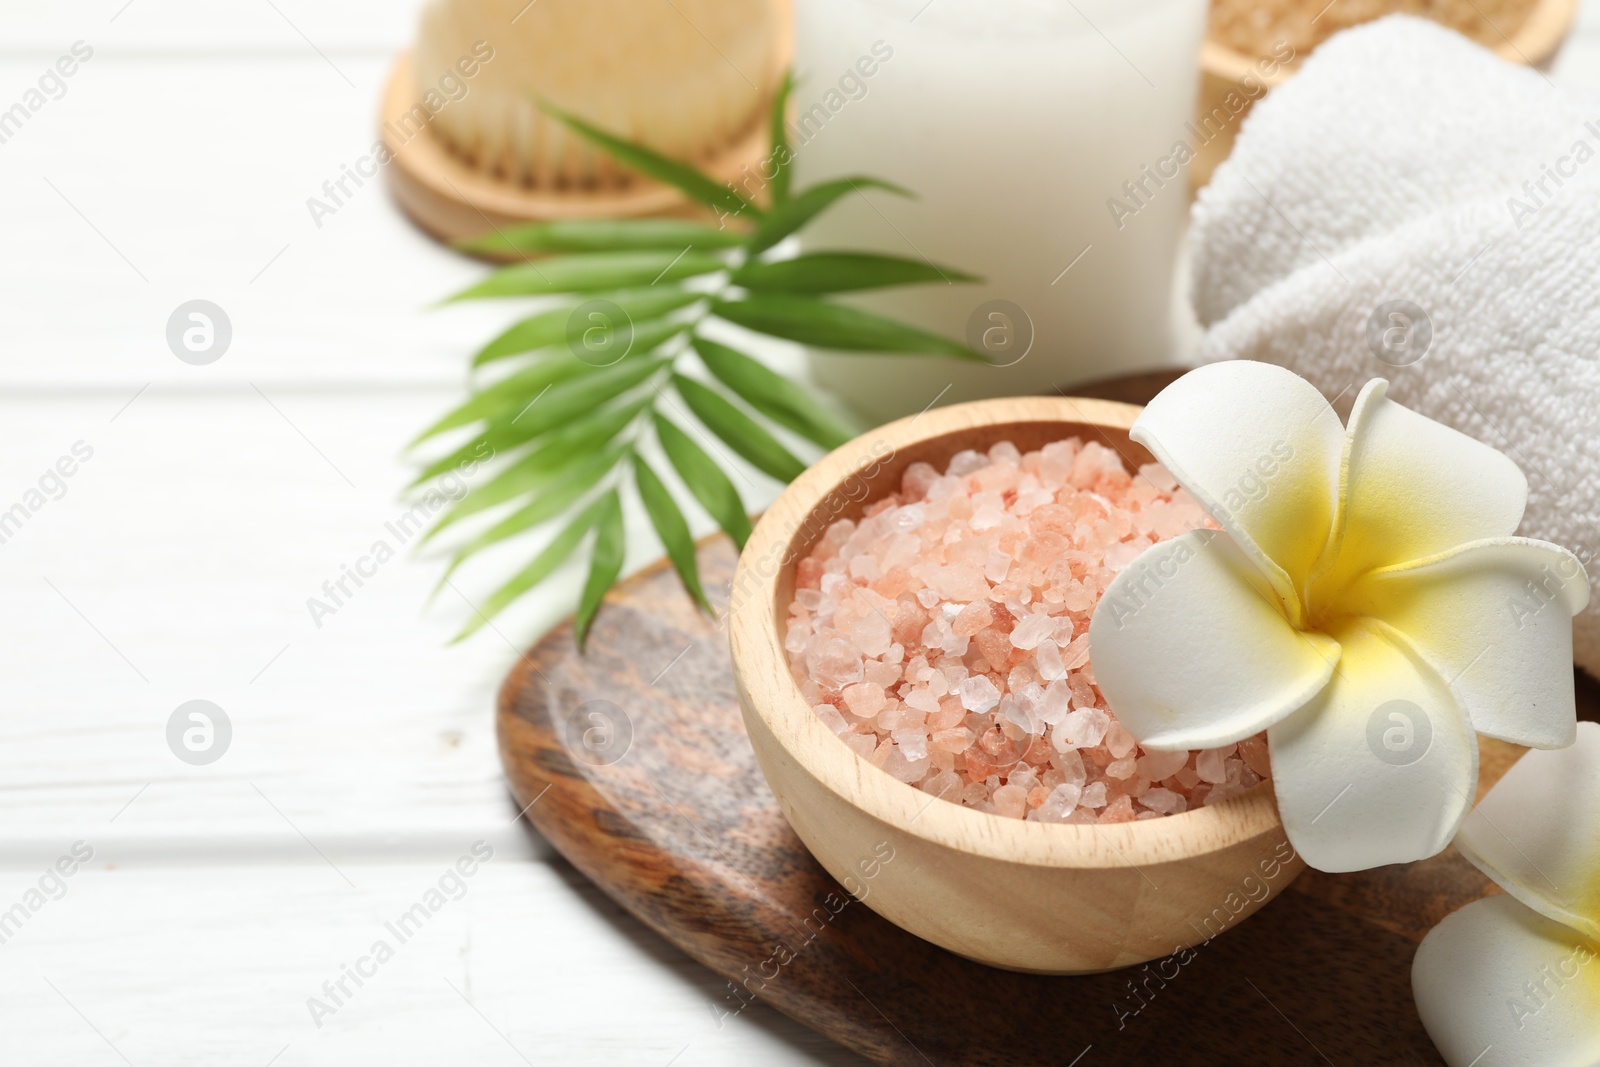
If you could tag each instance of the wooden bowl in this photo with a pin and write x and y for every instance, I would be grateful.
(1026, 896)
(1224, 71)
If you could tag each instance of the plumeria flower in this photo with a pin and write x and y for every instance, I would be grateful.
(1364, 602)
(1515, 979)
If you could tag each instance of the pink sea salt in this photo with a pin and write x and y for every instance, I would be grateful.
(944, 636)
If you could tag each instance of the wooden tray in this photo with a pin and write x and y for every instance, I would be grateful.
(666, 811)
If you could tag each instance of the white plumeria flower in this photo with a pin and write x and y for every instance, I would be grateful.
(1514, 979)
(1364, 602)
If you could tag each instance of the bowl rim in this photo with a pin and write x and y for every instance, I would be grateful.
(1533, 44)
(761, 666)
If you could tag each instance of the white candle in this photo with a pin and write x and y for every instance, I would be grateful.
(1017, 123)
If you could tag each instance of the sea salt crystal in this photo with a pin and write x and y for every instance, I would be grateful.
(862, 744)
(946, 784)
(880, 672)
(1158, 766)
(955, 739)
(960, 582)
(798, 635)
(1209, 766)
(831, 718)
(1048, 658)
(864, 699)
(967, 462)
(1030, 630)
(864, 568)
(944, 636)
(1061, 802)
(972, 619)
(1119, 810)
(913, 743)
(1253, 750)
(1004, 453)
(978, 693)
(1070, 764)
(1119, 742)
(907, 770)
(1121, 554)
(1011, 801)
(1054, 703)
(1164, 801)
(834, 662)
(1086, 727)
(1076, 654)
(988, 515)
(997, 566)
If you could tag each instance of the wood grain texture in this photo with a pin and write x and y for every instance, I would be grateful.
(681, 830)
(193, 549)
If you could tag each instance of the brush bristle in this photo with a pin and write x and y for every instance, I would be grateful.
(685, 78)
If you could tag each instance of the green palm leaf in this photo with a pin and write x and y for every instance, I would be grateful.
(544, 463)
(507, 394)
(777, 128)
(551, 500)
(788, 217)
(540, 568)
(838, 272)
(591, 272)
(738, 431)
(671, 527)
(602, 235)
(555, 327)
(770, 393)
(605, 564)
(655, 165)
(561, 424)
(826, 325)
(705, 480)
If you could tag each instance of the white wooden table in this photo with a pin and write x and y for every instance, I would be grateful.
(176, 561)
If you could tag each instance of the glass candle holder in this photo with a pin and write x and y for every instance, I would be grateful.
(1046, 142)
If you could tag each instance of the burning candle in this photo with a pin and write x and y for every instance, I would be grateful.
(1046, 142)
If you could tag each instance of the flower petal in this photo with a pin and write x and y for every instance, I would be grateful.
(1499, 985)
(1259, 447)
(1380, 767)
(1191, 650)
(1537, 833)
(1494, 619)
(1410, 488)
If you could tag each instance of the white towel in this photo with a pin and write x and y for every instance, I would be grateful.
(1405, 163)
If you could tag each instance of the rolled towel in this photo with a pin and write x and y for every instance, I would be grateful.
(1409, 206)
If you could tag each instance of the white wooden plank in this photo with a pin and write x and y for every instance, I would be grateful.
(178, 564)
(214, 967)
(177, 165)
(288, 27)
(137, 191)
(134, 194)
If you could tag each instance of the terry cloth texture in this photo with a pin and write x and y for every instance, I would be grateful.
(1409, 206)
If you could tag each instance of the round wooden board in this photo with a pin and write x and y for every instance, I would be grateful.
(452, 200)
(665, 810)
